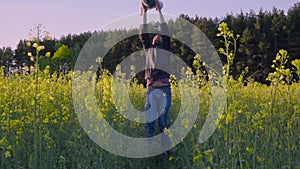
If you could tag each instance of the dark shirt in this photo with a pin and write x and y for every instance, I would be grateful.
(158, 66)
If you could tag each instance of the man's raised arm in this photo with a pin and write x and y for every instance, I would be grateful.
(144, 34)
(164, 30)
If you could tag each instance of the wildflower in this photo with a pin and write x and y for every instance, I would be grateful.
(7, 154)
(19, 132)
(35, 45)
(28, 44)
(99, 60)
(46, 121)
(39, 48)
(26, 68)
(51, 98)
(29, 54)
(47, 37)
(48, 54)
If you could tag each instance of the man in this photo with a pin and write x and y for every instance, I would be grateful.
(158, 95)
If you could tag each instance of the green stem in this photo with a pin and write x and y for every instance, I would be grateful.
(35, 113)
(254, 155)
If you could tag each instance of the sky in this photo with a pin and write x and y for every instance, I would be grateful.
(63, 17)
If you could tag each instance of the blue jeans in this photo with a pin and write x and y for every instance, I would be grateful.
(158, 102)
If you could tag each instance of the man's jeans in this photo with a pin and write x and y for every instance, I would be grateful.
(158, 102)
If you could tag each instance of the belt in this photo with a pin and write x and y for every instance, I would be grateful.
(159, 84)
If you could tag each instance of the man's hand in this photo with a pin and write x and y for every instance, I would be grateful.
(143, 9)
(158, 7)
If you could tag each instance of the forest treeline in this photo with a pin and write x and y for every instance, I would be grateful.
(262, 35)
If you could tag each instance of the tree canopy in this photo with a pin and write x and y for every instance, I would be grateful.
(262, 35)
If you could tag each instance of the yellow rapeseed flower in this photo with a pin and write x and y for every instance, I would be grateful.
(35, 45)
(29, 54)
(39, 48)
(48, 54)
(28, 44)
(7, 154)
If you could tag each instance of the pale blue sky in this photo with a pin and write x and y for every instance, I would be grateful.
(62, 17)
